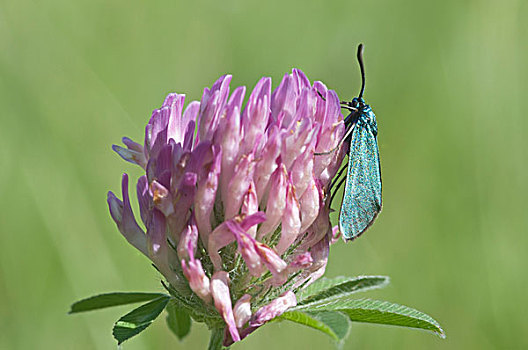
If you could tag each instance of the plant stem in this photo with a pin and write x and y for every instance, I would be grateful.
(217, 339)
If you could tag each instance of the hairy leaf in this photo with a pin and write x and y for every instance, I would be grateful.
(335, 324)
(376, 311)
(102, 301)
(178, 320)
(339, 287)
(137, 320)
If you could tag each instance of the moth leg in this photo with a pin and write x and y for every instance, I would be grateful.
(348, 106)
(337, 179)
(339, 184)
(344, 104)
(347, 135)
(337, 176)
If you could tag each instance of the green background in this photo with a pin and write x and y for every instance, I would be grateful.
(447, 80)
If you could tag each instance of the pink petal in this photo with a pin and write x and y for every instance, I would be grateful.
(300, 79)
(246, 247)
(206, 195)
(330, 134)
(132, 145)
(134, 152)
(144, 198)
(300, 262)
(256, 114)
(201, 157)
(189, 119)
(182, 202)
(157, 130)
(177, 125)
(239, 185)
(230, 231)
(230, 143)
(333, 110)
(294, 141)
(188, 241)
(319, 254)
(178, 160)
(275, 308)
(123, 216)
(222, 300)
(159, 166)
(283, 99)
(228, 136)
(276, 201)
(157, 240)
(309, 205)
(198, 281)
(267, 163)
(158, 250)
(306, 106)
(219, 238)
(242, 310)
(291, 221)
(302, 169)
(320, 227)
(191, 112)
(326, 166)
(254, 219)
(161, 198)
(320, 109)
(211, 106)
(273, 262)
(250, 206)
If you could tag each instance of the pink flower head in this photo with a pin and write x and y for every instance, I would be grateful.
(234, 198)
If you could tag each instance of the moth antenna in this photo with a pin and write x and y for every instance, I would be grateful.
(362, 68)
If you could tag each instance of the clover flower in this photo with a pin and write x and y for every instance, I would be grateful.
(234, 200)
(235, 207)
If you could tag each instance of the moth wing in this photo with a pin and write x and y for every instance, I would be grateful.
(362, 196)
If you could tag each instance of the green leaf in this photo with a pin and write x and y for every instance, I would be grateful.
(376, 311)
(178, 320)
(335, 324)
(102, 301)
(137, 320)
(339, 287)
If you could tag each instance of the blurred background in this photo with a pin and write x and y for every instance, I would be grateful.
(447, 80)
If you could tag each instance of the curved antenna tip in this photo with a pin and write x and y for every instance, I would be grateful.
(362, 68)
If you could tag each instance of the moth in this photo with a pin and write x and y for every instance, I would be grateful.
(362, 194)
